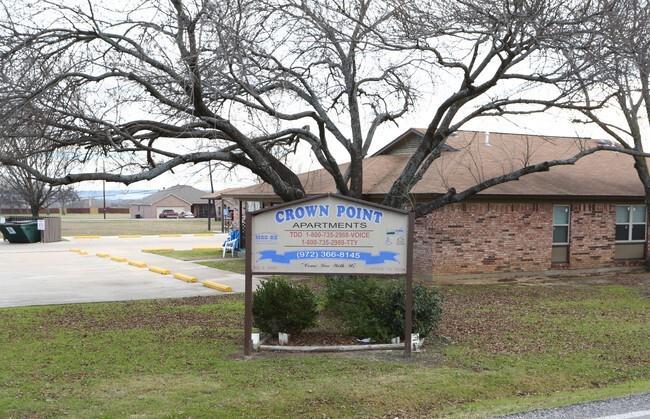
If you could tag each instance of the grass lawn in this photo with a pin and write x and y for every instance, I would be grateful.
(503, 348)
(208, 257)
(236, 265)
(70, 216)
(198, 254)
(76, 226)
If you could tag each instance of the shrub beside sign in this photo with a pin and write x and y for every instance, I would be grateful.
(328, 234)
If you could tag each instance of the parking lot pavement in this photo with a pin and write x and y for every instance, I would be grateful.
(637, 406)
(38, 274)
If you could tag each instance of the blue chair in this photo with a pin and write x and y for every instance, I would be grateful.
(231, 243)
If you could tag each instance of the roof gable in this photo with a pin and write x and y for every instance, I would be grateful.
(172, 196)
(407, 143)
(185, 193)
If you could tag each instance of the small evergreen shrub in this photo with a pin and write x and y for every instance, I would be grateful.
(356, 302)
(283, 306)
(427, 309)
(374, 308)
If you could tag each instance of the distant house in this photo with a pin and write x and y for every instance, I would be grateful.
(179, 198)
(590, 215)
(221, 203)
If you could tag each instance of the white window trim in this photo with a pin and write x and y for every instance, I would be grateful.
(630, 224)
(568, 226)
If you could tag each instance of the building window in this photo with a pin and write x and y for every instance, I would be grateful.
(561, 216)
(561, 222)
(630, 232)
(630, 223)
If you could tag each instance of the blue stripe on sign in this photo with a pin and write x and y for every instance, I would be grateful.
(366, 257)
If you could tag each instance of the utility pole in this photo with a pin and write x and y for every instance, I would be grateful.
(104, 190)
(214, 201)
(211, 202)
(210, 169)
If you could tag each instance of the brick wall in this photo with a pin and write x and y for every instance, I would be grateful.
(482, 237)
(487, 237)
(592, 235)
(423, 238)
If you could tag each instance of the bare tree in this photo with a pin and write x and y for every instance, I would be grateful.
(36, 149)
(243, 82)
(9, 199)
(65, 196)
(36, 193)
(615, 63)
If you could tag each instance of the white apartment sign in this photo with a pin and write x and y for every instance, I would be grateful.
(330, 235)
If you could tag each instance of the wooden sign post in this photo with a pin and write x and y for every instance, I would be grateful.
(329, 235)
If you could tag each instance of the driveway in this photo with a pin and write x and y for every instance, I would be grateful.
(636, 406)
(40, 274)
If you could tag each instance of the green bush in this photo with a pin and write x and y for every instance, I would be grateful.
(427, 309)
(374, 308)
(282, 306)
(356, 301)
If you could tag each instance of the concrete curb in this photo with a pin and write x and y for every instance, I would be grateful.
(217, 286)
(161, 271)
(157, 249)
(137, 263)
(186, 278)
(334, 348)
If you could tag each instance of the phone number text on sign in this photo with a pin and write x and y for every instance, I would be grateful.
(328, 254)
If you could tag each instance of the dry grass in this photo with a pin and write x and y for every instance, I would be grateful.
(114, 227)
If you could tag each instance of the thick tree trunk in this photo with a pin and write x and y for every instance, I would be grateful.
(398, 195)
(643, 172)
(644, 176)
(356, 175)
(34, 209)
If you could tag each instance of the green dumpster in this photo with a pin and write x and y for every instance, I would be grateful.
(21, 232)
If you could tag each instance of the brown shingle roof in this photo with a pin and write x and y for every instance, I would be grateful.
(187, 193)
(603, 174)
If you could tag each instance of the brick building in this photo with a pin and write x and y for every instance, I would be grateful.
(590, 215)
